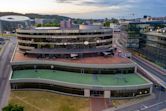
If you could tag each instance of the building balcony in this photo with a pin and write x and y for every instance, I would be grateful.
(63, 43)
(62, 36)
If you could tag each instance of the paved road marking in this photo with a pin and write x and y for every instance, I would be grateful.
(147, 107)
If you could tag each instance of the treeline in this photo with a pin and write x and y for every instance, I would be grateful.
(48, 25)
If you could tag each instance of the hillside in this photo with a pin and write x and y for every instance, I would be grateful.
(33, 15)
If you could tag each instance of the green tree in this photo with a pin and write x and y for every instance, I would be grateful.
(11, 107)
(156, 26)
(51, 24)
(115, 21)
(38, 25)
(107, 24)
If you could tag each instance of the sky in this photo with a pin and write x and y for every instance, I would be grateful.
(87, 8)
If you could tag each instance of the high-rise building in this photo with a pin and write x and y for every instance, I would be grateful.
(155, 47)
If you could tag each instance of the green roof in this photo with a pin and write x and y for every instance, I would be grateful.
(78, 78)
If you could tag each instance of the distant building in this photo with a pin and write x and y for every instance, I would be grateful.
(115, 27)
(89, 27)
(88, 22)
(135, 38)
(62, 24)
(12, 22)
(155, 47)
(98, 23)
(142, 37)
(43, 21)
(149, 18)
(66, 24)
(69, 24)
(39, 21)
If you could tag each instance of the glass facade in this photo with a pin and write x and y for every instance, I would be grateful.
(62, 89)
(155, 49)
(130, 93)
(80, 91)
(78, 70)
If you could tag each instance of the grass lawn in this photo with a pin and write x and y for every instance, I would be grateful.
(46, 101)
(8, 35)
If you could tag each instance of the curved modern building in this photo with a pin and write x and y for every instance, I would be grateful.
(78, 62)
(60, 42)
(12, 22)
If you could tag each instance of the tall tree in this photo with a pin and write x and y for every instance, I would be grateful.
(11, 107)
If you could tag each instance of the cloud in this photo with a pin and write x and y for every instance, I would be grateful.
(102, 3)
(87, 8)
(92, 2)
(102, 7)
(66, 1)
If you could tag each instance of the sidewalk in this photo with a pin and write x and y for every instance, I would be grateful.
(158, 68)
(3, 47)
(99, 104)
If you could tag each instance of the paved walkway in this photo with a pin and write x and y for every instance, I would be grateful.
(99, 104)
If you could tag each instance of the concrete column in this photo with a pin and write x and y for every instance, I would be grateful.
(51, 46)
(151, 88)
(38, 46)
(107, 94)
(86, 92)
(135, 69)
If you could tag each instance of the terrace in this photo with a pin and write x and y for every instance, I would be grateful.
(18, 56)
(81, 78)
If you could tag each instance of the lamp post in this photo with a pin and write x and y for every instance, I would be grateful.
(97, 41)
(86, 43)
(52, 67)
(35, 68)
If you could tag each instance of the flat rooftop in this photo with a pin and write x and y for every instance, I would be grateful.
(67, 51)
(14, 18)
(87, 60)
(82, 79)
(47, 28)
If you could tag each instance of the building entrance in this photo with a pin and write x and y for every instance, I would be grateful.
(96, 93)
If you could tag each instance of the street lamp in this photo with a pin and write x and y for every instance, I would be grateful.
(86, 43)
(140, 93)
(35, 67)
(52, 67)
(98, 41)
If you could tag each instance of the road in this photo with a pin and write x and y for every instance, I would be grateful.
(156, 104)
(5, 70)
(149, 68)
